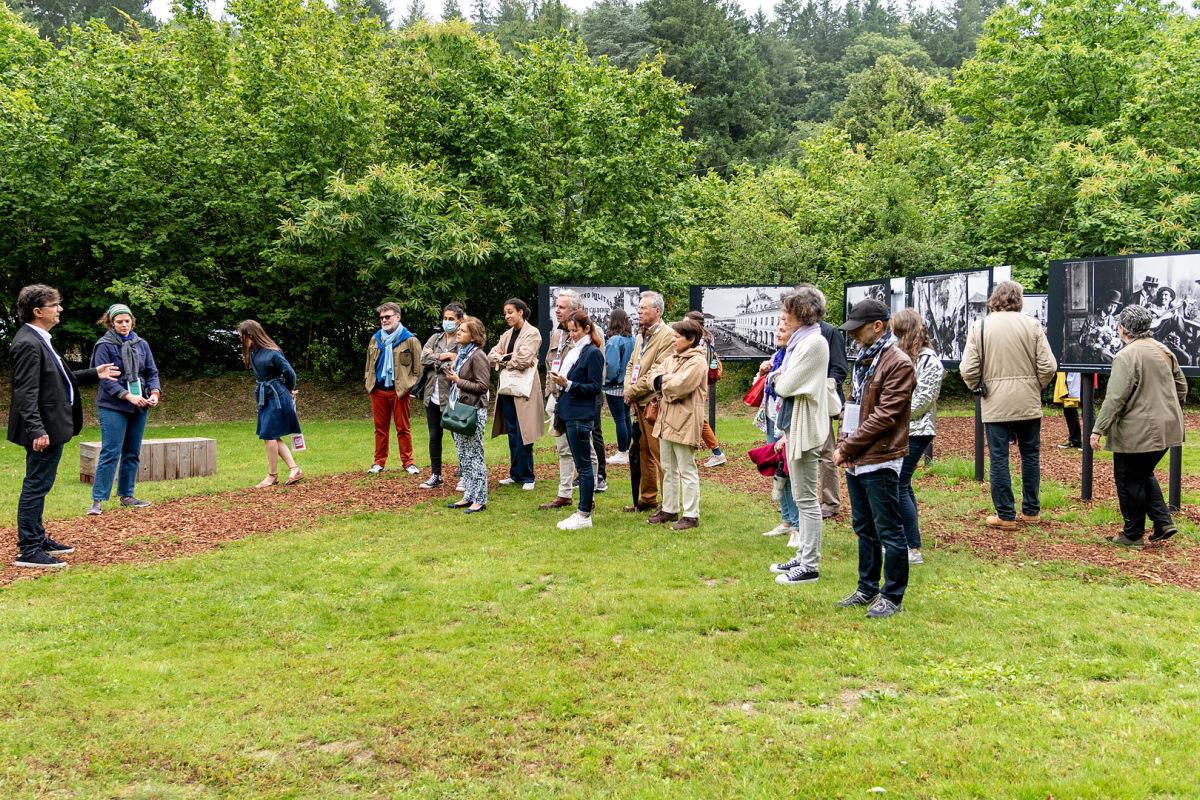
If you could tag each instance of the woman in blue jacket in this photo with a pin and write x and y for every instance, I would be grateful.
(275, 392)
(617, 350)
(582, 376)
(122, 405)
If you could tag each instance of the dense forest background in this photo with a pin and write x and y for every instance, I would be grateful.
(299, 162)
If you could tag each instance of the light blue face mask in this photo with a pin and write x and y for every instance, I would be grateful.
(449, 326)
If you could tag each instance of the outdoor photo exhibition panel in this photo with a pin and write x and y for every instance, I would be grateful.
(743, 319)
(1037, 306)
(598, 301)
(854, 293)
(949, 302)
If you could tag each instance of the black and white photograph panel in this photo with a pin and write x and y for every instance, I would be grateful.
(1037, 306)
(1097, 290)
(949, 302)
(599, 302)
(743, 319)
(855, 293)
(899, 295)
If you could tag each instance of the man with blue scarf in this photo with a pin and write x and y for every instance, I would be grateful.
(393, 366)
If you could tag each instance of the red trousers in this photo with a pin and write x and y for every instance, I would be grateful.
(386, 406)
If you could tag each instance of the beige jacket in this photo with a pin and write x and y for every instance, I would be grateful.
(531, 411)
(1143, 410)
(657, 349)
(1017, 364)
(559, 336)
(684, 397)
(805, 381)
(406, 359)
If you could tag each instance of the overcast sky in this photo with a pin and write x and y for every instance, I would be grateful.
(162, 8)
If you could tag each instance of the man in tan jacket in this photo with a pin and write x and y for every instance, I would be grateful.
(393, 366)
(1014, 362)
(650, 349)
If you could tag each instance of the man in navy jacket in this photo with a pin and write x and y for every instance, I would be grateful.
(46, 412)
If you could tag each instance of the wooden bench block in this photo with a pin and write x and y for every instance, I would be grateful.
(160, 459)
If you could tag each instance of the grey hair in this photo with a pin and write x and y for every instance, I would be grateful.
(573, 296)
(656, 300)
(1136, 321)
(806, 305)
(389, 306)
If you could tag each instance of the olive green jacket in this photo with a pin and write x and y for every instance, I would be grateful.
(1143, 410)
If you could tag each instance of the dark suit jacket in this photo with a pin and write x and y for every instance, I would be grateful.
(40, 397)
(838, 368)
(587, 380)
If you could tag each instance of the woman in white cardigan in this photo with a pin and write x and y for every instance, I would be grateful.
(802, 381)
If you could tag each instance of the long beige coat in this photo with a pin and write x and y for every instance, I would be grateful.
(1017, 364)
(657, 349)
(684, 397)
(1143, 410)
(531, 413)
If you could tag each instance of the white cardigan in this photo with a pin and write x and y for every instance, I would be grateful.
(805, 380)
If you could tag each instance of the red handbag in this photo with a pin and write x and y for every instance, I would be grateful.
(754, 397)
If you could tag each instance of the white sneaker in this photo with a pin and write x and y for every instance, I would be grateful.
(462, 486)
(915, 557)
(794, 539)
(413, 469)
(507, 481)
(575, 522)
(716, 460)
(529, 487)
(779, 530)
(619, 458)
(601, 486)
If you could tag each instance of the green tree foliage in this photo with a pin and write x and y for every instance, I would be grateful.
(451, 11)
(50, 17)
(617, 30)
(886, 98)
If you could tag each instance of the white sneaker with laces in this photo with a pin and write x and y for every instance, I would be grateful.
(413, 469)
(462, 486)
(794, 539)
(716, 460)
(779, 530)
(529, 487)
(575, 522)
(507, 481)
(915, 557)
(619, 458)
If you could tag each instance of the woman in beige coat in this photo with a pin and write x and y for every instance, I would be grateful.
(519, 409)
(682, 386)
(1142, 418)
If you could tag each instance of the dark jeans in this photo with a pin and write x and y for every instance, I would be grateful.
(1028, 433)
(917, 445)
(875, 514)
(120, 441)
(433, 418)
(620, 414)
(598, 438)
(40, 471)
(579, 437)
(1071, 415)
(1138, 491)
(520, 455)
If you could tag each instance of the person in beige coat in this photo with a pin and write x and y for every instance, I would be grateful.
(681, 382)
(1014, 362)
(521, 417)
(1142, 417)
(651, 348)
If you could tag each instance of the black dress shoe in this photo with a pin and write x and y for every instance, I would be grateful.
(475, 510)
(457, 505)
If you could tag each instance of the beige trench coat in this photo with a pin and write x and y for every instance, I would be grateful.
(531, 413)
(682, 403)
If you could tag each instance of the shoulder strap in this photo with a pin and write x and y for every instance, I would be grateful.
(981, 348)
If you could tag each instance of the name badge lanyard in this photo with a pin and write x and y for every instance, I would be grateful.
(637, 366)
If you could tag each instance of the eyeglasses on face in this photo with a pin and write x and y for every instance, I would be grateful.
(386, 317)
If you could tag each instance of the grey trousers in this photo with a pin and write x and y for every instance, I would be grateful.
(831, 485)
(803, 474)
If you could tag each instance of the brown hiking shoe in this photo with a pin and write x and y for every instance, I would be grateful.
(557, 502)
(1001, 524)
(685, 523)
(660, 516)
(1036, 519)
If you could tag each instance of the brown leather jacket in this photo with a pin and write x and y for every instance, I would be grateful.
(474, 378)
(882, 433)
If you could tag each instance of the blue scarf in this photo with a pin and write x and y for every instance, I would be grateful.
(386, 371)
(464, 352)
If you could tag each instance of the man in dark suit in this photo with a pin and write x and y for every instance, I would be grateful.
(46, 412)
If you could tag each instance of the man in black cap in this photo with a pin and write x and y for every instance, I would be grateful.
(872, 444)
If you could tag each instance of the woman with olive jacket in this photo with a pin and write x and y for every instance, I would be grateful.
(682, 383)
(522, 418)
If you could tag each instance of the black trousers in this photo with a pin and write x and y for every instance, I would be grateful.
(433, 417)
(1138, 491)
(1071, 415)
(635, 465)
(598, 439)
(41, 468)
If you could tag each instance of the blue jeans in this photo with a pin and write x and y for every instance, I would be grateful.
(620, 414)
(1029, 443)
(40, 471)
(917, 445)
(875, 513)
(787, 503)
(520, 454)
(579, 437)
(120, 440)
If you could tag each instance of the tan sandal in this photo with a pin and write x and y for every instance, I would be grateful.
(269, 481)
(294, 475)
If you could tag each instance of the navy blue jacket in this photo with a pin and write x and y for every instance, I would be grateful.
(108, 395)
(587, 378)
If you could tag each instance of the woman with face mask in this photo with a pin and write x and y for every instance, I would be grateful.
(122, 406)
(438, 353)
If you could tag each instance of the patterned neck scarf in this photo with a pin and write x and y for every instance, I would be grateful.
(865, 365)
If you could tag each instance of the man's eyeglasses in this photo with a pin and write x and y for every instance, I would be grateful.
(386, 317)
(52, 305)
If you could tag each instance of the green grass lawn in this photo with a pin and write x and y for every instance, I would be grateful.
(428, 654)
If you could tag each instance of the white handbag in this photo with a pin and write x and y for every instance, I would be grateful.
(517, 382)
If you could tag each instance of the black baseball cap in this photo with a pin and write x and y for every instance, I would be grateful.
(868, 310)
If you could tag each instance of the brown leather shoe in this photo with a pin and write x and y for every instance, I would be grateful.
(557, 502)
(639, 507)
(660, 516)
(1001, 524)
(685, 523)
